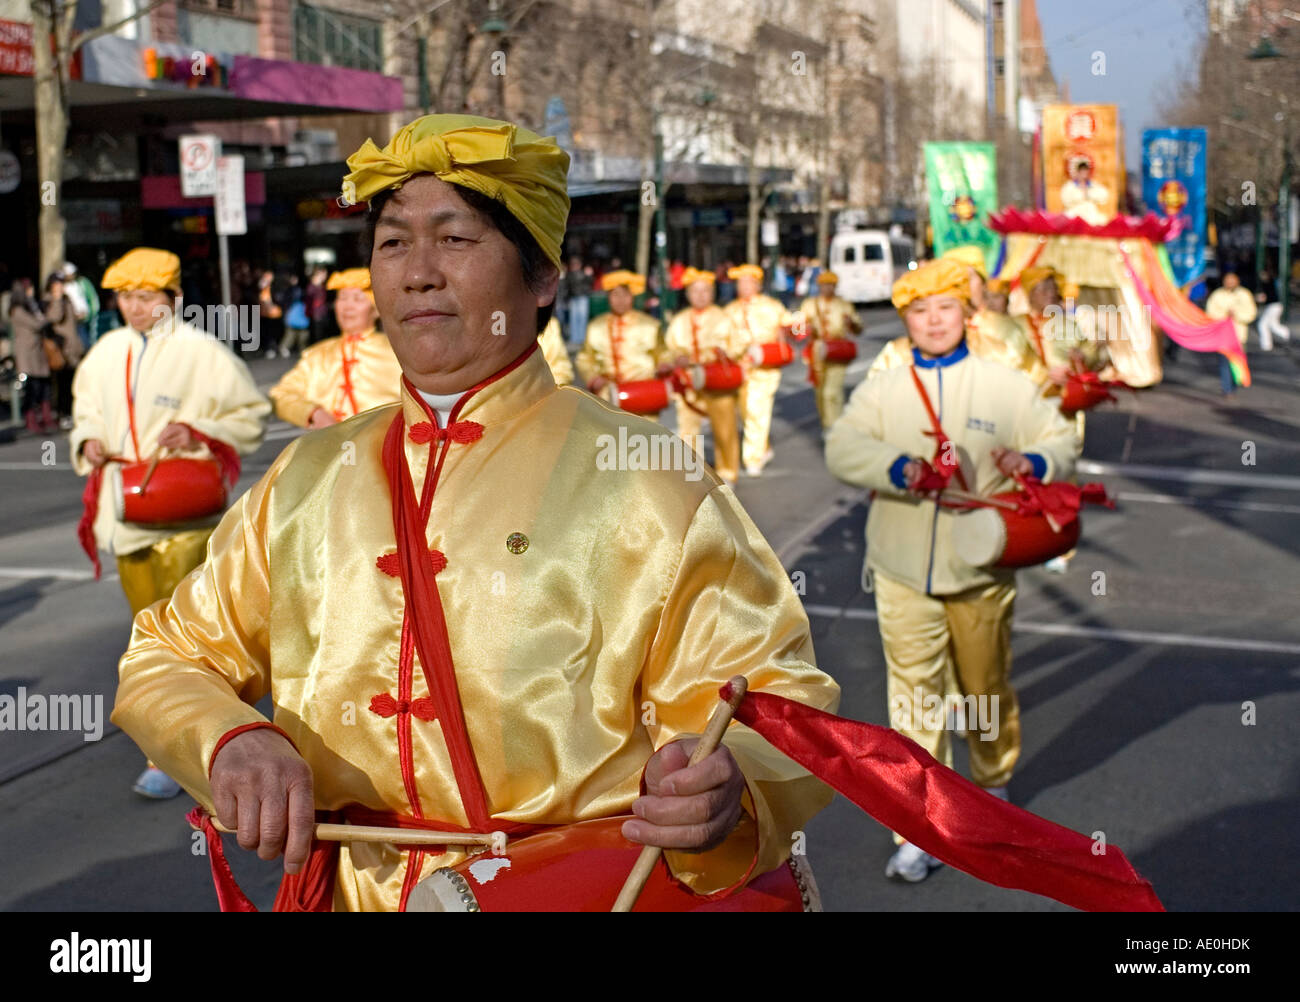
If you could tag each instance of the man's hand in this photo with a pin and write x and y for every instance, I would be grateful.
(693, 808)
(1011, 463)
(176, 436)
(1059, 374)
(95, 451)
(597, 384)
(321, 418)
(262, 788)
(683, 361)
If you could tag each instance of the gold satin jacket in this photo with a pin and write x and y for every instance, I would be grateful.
(837, 316)
(638, 351)
(636, 594)
(760, 319)
(318, 379)
(702, 334)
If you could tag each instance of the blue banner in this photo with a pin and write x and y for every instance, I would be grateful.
(1173, 184)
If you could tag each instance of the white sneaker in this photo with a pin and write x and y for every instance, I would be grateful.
(911, 864)
(1057, 565)
(156, 785)
(998, 791)
(270, 353)
(753, 469)
(284, 352)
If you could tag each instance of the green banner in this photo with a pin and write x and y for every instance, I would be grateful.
(962, 179)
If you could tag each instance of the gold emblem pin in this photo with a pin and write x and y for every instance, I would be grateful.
(516, 542)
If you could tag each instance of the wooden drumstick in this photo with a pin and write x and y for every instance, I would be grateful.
(405, 836)
(992, 502)
(708, 744)
(157, 455)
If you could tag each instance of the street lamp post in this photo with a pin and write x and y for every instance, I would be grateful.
(1266, 51)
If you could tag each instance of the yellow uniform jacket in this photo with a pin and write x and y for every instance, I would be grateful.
(1052, 338)
(703, 334)
(829, 320)
(177, 374)
(623, 349)
(593, 610)
(981, 404)
(760, 319)
(344, 375)
(1237, 303)
(556, 354)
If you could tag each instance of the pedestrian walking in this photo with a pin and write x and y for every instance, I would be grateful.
(60, 314)
(1231, 300)
(27, 321)
(1269, 324)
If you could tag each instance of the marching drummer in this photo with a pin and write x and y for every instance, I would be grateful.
(990, 333)
(949, 421)
(704, 334)
(156, 384)
(1056, 340)
(622, 345)
(465, 621)
(828, 318)
(763, 322)
(342, 376)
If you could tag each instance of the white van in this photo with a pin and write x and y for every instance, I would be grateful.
(869, 262)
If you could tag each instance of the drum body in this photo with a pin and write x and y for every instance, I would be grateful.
(840, 350)
(180, 490)
(1078, 395)
(642, 396)
(720, 377)
(582, 868)
(996, 537)
(772, 355)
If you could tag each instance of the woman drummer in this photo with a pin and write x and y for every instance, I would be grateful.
(155, 384)
(947, 418)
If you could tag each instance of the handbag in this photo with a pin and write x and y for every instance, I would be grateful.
(53, 345)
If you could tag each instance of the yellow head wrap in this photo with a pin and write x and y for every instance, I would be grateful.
(691, 275)
(934, 278)
(144, 268)
(520, 169)
(969, 255)
(352, 278)
(745, 271)
(828, 278)
(634, 282)
(1031, 277)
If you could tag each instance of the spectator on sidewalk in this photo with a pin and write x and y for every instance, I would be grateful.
(1270, 323)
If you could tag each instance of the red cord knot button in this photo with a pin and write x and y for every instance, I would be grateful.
(388, 563)
(386, 706)
(460, 432)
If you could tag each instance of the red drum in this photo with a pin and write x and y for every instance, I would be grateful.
(1084, 394)
(721, 377)
(837, 350)
(641, 396)
(998, 537)
(582, 867)
(180, 490)
(772, 355)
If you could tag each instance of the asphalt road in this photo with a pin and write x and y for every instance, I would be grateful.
(1160, 712)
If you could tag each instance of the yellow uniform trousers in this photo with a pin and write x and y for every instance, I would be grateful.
(721, 409)
(757, 395)
(929, 639)
(829, 391)
(154, 572)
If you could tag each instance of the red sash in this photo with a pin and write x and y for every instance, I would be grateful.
(941, 440)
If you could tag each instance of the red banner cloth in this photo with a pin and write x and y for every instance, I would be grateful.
(904, 788)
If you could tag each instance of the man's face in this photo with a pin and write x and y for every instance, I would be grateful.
(747, 286)
(450, 288)
(620, 299)
(936, 324)
(354, 310)
(143, 308)
(826, 290)
(1044, 294)
(699, 294)
(1230, 281)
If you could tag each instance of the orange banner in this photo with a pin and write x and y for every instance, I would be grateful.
(1075, 134)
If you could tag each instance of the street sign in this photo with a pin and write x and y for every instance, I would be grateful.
(229, 197)
(199, 155)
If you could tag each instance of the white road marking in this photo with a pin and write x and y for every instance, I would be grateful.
(59, 573)
(1283, 509)
(35, 466)
(1187, 475)
(1097, 633)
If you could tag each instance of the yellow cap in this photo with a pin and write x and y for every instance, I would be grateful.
(352, 278)
(745, 271)
(691, 275)
(969, 255)
(934, 278)
(522, 170)
(634, 282)
(144, 268)
(828, 278)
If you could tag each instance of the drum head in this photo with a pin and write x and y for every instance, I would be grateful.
(443, 890)
(113, 471)
(979, 537)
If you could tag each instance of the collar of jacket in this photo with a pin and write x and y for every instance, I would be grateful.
(501, 397)
(943, 361)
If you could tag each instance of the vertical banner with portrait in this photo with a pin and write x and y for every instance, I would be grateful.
(1081, 164)
(962, 180)
(1173, 187)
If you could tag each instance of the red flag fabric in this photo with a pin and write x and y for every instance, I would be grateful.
(903, 787)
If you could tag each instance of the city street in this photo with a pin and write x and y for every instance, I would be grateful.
(1159, 678)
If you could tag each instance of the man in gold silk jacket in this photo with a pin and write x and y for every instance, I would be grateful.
(623, 345)
(460, 621)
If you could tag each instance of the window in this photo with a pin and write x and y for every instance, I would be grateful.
(850, 254)
(873, 252)
(331, 39)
